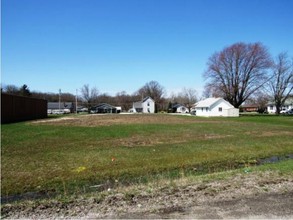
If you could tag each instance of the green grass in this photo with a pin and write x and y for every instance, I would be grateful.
(70, 159)
(267, 172)
(284, 167)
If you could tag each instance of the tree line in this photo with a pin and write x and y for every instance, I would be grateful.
(90, 96)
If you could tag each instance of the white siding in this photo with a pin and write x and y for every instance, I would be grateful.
(219, 108)
(215, 109)
(148, 106)
(205, 112)
(232, 112)
(145, 106)
(182, 109)
(287, 105)
(272, 108)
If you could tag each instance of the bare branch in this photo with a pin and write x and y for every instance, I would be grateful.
(238, 71)
(89, 95)
(281, 82)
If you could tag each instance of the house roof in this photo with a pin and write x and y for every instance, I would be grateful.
(146, 98)
(249, 106)
(140, 102)
(104, 106)
(207, 103)
(63, 105)
(177, 105)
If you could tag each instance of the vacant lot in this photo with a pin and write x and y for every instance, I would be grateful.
(76, 154)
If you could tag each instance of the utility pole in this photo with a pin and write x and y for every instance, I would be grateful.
(76, 102)
(59, 100)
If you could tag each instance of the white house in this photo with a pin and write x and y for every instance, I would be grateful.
(147, 105)
(179, 108)
(215, 107)
(271, 107)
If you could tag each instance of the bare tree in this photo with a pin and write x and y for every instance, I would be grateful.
(106, 98)
(124, 100)
(188, 97)
(238, 71)
(261, 99)
(14, 90)
(11, 89)
(54, 97)
(154, 90)
(211, 90)
(281, 82)
(89, 95)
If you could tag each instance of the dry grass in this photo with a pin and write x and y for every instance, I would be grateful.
(122, 119)
(180, 198)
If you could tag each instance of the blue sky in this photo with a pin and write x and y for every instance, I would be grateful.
(119, 45)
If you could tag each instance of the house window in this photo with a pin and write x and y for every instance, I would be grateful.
(148, 104)
(202, 109)
(207, 109)
(220, 109)
(271, 107)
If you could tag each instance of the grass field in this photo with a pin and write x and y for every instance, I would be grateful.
(70, 154)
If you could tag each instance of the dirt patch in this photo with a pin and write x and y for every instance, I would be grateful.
(121, 119)
(52, 120)
(95, 120)
(267, 133)
(155, 139)
(242, 196)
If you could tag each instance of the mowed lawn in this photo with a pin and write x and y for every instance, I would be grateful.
(73, 153)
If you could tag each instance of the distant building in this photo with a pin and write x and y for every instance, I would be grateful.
(179, 108)
(249, 108)
(64, 107)
(271, 107)
(147, 105)
(211, 107)
(81, 109)
(104, 108)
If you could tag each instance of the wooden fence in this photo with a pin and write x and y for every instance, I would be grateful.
(18, 108)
